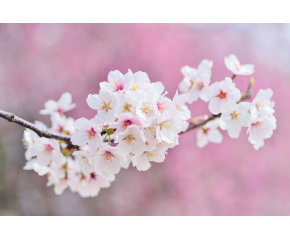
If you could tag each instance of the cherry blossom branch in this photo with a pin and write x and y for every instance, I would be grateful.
(245, 95)
(67, 138)
(40, 132)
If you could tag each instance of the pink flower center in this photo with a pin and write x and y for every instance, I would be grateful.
(108, 156)
(93, 175)
(161, 106)
(127, 123)
(59, 110)
(257, 124)
(91, 133)
(48, 148)
(222, 94)
(118, 86)
(205, 130)
(199, 85)
(60, 128)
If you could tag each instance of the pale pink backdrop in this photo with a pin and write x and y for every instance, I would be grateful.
(41, 61)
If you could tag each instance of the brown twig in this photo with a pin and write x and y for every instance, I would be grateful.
(41, 132)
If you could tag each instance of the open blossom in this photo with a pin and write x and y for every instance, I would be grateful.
(89, 185)
(233, 64)
(33, 165)
(131, 141)
(209, 133)
(124, 121)
(109, 160)
(179, 101)
(196, 81)
(117, 82)
(221, 93)
(164, 103)
(86, 160)
(262, 103)
(106, 103)
(88, 131)
(168, 126)
(147, 107)
(29, 138)
(127, 103)
(151, 154)
(46, 150)
(234, 117)
(64, 104)
(61, 124)
(262, 128)
(140, 82)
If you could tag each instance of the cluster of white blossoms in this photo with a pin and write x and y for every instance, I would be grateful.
(136, 123)
(225, 101)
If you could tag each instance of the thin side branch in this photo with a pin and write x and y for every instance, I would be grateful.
(66, 138)
(245, 95)
(40, 132)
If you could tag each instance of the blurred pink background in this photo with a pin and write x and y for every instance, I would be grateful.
(41, 61)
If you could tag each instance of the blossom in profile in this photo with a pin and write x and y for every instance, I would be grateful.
(196, 81)
(117, 82)
(209, 133)
(233, 64)
(262, 103)
(64, 104)
(262, 128)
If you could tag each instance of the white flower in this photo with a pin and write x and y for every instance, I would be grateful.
(140, 82)
(109, 160)
(232, 63)
(261, 129)
(147, 107)
(152, 154)
(46, 150)
(158, 87)
(125, 120)
(131, 141)
(128, 103)
(168, 126)
(117, 82)
(106, 103)
(88, 131)
(262, 103)
(64, 104)
(209, 133)
(221, 93)
(90, 184)
(164, 103)
(33, 165)
(61, 124)
(180, 101)
(234, 117)
(86, 160)
(196, 81)
(30, 136)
